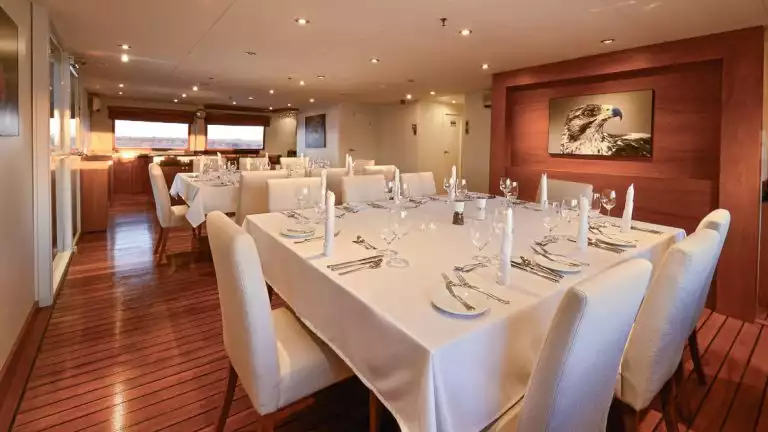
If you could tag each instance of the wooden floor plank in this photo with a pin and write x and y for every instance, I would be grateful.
(745, 406)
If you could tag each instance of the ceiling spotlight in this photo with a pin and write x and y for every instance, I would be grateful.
(194, 88)
(465, 32)
(250, 53)
(270, 108)
(120, 85)
(301, 21)
(250, 97)
(175, 101)
(607, 41)
(289, 104)
(484, 66)
(271, 92)
(301, 82)
(409, 96)
(124, 58)
(183, 95)
(453, 101)
(234, 102)
(119, 93)
(321, 77)
(311, 100)
(125, 46)
(374, 60)
(432, 93)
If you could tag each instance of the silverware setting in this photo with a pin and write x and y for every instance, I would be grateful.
(344, 264)
(347, 208)
(306, 240)
(533, 271)
(377, 206)
(558, 258)
(364, 243)
(293, 214)
(449, 287)
(536, 266)
(598, 231)
(463, 282)
(469, 267)
(599, 245)
(366, 266)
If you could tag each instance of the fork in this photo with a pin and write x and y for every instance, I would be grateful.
(466, 284)
(449, 287)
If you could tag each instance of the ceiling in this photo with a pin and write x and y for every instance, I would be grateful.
(179, 43)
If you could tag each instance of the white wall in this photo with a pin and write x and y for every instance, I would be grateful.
(17, 293)
(332, 135)
(476, 148)
(397, 145)
(348, 126)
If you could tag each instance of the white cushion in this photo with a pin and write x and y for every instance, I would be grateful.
(167, 216)
(307, 364)
(661, 329)
(361, 189)
(420, 184)
(253, 192)
(178, 215)
(281, 193)
(333, 179)
(197, 162)
(359, 165)
(253, 164)
(558, 190)
(388, 171)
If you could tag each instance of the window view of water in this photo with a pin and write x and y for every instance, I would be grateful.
(142, 134)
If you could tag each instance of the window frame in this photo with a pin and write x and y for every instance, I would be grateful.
(155, 116)
(231, 119)
(230, 149)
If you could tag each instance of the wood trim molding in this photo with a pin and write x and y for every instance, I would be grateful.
(220, 118)
(246, 109)
(150, 114)
(741, 55)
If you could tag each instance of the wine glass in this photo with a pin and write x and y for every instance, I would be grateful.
(505, 184)
(480, 232)
(595, 205)
(405, 191)
(552, 217)
(398, 226)
(514, 190)
(389, 189)
(302, 198)
(462, 188)
(570, 208)
(448, 185)
(608, 199)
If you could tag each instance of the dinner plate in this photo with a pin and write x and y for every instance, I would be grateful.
(556, 266)
(618, 239)
(443, 300)
(297, 233)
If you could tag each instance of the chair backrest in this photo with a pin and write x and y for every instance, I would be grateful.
(420, 184)
(281, 193)
(253, 197)
(571, 387)
(362, 189)
(661, 328)
(332, 178)
(358, 166)
(197, 162)
(558, 190)
(285, 161)
(160, 192)
(718, 221)
(246, 314)
(253, 164)
(388, 171)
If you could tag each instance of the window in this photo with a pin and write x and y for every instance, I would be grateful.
(146, 134)
(235, 137)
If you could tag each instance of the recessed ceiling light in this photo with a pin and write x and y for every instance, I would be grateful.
(453, 101)
(183, 95)
(270, 108)
(176, 101)
(409, 96)
(321, 77)
(271, 92)
(125, 46)
(301, 21)
(119, 93)
(289, 104)
(250, 53)
(120, 85)
(194, 88)
(484, 66)
(311, 100)
(301, 82)
(374, 60)
(234, 102)
(124, 58)
(465, 32)
(250, 97)
(607, 41)
(432, 93)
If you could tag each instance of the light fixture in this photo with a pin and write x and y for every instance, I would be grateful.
(374, 60)
(250, 53)
(271, 92)
(119, 93)
(270, 108)
(120, 85)
(301, 21)
(194, 88)
(289, 104)
(250, 97)
(183, 95)
(409, 96)
(453, 101)
(607, 41)
(234, 102)
(124, 58)
(465, 32)
(125, 46)
(485, 66)
(311, 100)
(321, 77)
(175, 101)
(301, 83)
(432, 93)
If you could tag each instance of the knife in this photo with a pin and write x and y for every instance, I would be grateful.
(532, 271)
(352, 263)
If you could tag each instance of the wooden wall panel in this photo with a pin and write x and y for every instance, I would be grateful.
(707, 131)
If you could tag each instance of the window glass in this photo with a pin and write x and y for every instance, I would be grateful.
(144, 134)
(235, 137)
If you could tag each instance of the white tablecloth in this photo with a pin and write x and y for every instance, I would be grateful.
(434, 372)
(204, 197)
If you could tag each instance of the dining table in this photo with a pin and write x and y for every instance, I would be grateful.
(204, 196)
(434, 370)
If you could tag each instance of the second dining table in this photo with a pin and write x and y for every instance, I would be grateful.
(433, 370)
(204, 196)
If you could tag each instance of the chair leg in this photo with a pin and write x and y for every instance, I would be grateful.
(693, 345)
(267, 423)
(194, 232)
(668, 406)
(374, 413)
(228, 396)
(159, 240)
(161, 251)
(622, 417)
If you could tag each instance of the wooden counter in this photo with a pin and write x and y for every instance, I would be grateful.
(94, 195)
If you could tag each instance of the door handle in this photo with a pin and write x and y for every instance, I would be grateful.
(351, 150)
(445, 152)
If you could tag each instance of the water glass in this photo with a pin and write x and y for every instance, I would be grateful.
(552, 217)
(462, 188)
(595, 205)
(389, 189)
(448, 185)
(480, 232)
(302, 198)
(570, 208)
(505, 184)
(608, 199)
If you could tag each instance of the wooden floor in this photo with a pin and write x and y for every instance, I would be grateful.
(134, 346)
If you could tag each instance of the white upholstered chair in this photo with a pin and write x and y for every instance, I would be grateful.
(571, 386)
(388, 171)
(281, 193)
(197, 162)
(277, 360)
(253, 193)
(253, 164)
(358, 166)
(655, 348)
(167, 215)
(333, 179)
(558, 190)
(420, 184)
(362, 189)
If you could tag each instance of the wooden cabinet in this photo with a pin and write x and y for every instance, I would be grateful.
(94, 195)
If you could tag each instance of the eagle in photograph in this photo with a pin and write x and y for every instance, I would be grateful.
(583, 134)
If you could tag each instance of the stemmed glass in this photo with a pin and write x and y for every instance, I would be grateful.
(389, 190)
(594, 209)
(608, 198)
(480, 232)
(462, 188)
(514, 190)
(399, 225)
(505, 184)
(448, 186)
(552, 218)
(302, 198)
(570, 208)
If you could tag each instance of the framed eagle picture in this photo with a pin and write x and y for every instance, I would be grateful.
(611, 124)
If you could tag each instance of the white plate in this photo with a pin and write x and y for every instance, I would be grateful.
(443, 300)
(556, 266)
(286, 232)
(618, 239)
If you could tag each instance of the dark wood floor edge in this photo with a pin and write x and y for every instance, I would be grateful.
(18, 367)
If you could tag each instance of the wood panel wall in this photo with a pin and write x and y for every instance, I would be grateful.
(707, 131)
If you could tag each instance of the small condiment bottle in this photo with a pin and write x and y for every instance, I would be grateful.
(458, 213)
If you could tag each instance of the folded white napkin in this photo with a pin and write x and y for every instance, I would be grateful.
(626, 218)
(505, 269)
(397, 185)
(330, 222)
(346, 160)
(543, 191)
(350, 166)
(581, 235)
(452, 193)
(323, 183)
